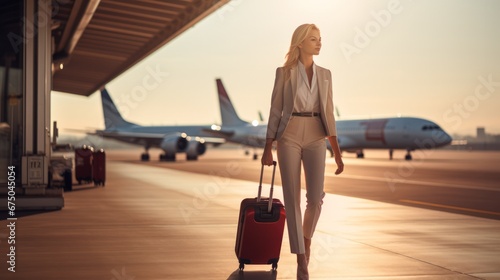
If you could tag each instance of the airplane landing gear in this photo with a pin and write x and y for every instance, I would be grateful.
(255, 154)
(408, 155)
(145, 157)
(188, 157)
(167, 157)
(360, 154)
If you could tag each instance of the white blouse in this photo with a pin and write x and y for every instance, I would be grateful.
(307, 98)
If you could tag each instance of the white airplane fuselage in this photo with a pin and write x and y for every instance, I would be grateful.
(390, 133)
(385, 133)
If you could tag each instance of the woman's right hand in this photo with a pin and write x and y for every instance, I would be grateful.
(267, 157)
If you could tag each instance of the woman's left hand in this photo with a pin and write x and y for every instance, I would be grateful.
(340, 165)
(337, 153)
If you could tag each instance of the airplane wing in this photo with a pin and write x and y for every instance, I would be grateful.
(149, 139)
(138, 135)
(170, 143)
(248, 139)
(154, 139)
(212, 140)
(255, 141)
(219, 133)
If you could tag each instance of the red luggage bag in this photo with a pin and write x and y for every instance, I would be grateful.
(260, 228)
(83, 164)
(99, 167)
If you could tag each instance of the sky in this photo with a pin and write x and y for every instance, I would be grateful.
(438, 60)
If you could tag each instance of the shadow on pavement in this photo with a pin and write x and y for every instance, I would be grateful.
(253, 275)
(84, 187)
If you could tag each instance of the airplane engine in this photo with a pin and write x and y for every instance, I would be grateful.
(196, 147)
(172, 144)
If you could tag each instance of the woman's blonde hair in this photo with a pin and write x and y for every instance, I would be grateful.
(299, 35)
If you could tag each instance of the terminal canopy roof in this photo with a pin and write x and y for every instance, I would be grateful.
(97, 40)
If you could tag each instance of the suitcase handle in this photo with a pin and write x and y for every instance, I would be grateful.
(270, 203)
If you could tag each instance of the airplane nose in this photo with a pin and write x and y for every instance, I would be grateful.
(448, 139)
(445, 139)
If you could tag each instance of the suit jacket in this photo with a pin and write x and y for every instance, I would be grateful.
(283, 98)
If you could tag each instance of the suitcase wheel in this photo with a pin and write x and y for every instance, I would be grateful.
(274, 266)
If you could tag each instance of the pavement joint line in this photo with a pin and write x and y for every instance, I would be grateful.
(449, 207)
(400, 254)
(413, 182)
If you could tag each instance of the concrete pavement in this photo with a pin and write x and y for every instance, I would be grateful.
(156, 223)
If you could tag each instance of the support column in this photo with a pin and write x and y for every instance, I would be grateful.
(37, 88)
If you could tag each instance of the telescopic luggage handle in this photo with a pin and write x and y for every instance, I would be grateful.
(270, 203)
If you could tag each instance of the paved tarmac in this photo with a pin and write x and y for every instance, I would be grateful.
(464, 182)
(155, 223)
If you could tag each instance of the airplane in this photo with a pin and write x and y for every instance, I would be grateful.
(233, 129)
(190, 140)
(408, 133)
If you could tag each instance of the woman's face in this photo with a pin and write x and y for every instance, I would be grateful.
(312, 44)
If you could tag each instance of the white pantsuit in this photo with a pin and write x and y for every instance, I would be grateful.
(301, 140)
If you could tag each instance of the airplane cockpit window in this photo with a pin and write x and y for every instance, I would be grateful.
(430, 127)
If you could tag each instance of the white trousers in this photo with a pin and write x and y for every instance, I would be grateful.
(302, 142)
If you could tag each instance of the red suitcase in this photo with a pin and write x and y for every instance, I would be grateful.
(99, 167)
(260, 228)
(83, 164)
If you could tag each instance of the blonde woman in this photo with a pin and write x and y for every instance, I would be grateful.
(300, 119)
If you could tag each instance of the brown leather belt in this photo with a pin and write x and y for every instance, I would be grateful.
(305, 114)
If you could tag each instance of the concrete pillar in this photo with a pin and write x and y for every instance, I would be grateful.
(36, 126)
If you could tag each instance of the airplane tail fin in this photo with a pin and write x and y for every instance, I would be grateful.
(112, 117)
(228, 114)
